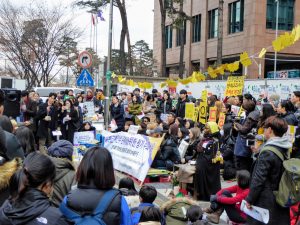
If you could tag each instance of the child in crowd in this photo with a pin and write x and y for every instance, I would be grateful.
(224, 200)
(194, 215)
(150, 216)
(147, 196)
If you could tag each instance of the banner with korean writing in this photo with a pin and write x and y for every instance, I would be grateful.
(190, 111)
(234, 86)
(132, 154)
(212, 114)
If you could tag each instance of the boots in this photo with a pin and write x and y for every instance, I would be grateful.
(215, 216)
(208, 210)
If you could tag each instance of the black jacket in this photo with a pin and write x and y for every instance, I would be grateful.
(265, 179)
(180, 108)
(32, 209)
(290, 118)
(117, 113)
(165, 106)
(42, 131)
(84, 200)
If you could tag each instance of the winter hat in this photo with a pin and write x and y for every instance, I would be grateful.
(61, 149)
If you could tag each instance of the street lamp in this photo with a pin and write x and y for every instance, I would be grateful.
(275, 57)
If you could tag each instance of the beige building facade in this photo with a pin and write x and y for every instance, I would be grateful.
(248, 25)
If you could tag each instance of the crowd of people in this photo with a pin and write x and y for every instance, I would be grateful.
(37, 173)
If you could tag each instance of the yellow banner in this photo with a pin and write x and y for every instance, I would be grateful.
(221, 120)
(204, 95)
(203, 112)
(234, 86)
(190, 111)
(196, 115)
(212, 114)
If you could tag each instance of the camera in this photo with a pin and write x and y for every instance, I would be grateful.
(250, 142)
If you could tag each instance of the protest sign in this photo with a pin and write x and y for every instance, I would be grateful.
(182, 148)
(90, 109)
(83, 137)
(234, 86)
(291, 133)
(212, 114)
(190, 111)
(221, 120)
(235, 110)
(204, 95)
(196, 114)
(133, 129)
(132, 154)
(203, 112)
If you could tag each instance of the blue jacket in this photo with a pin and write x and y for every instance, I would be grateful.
(137, 215)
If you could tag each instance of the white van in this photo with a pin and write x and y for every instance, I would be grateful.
(45, 91)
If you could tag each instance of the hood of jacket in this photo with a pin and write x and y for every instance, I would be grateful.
(281, 142)
(7, 170)
(63, 166)
(32, 204)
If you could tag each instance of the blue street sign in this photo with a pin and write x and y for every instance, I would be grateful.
(85, 79)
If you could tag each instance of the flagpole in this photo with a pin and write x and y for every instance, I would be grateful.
(91, 32)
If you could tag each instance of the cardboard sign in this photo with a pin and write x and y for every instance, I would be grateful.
(83, 137)
(234, 86)
(204, 95)
(203, 112)
(182, 148)
(190, 111)
(222, 118)
(133, 129)
(212, 114)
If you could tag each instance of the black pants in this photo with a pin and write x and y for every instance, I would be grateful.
(231, 211)
(243, 163)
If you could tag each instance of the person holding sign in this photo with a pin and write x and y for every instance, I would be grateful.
(180, 108)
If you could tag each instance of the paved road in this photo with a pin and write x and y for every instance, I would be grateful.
(163, 189)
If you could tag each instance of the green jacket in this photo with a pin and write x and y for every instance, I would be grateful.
(64, 179)
(135, 109)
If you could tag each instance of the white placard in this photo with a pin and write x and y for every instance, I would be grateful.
(56, 133)
(256, 212)
(182, 148)
(90, 107)
(133, 129)
(235, 110)
(83, 137)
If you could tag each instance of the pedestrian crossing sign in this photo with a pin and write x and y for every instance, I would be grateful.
(85, 79)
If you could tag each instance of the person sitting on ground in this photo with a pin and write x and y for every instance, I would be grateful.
(195, 215)
(194, 138)
(189, 124)
(29, 190)
(225, 200)
(147, 197)
(126, 186)
(61, 155)
(87, 126)
(180, 122)
(183, 135)
(150, 216)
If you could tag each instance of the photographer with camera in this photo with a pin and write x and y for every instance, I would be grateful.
(242, 149)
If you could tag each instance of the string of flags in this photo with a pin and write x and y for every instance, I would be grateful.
(282, 42)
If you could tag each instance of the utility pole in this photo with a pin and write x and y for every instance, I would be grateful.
(220, 33)
(276, 36)
(108, 73)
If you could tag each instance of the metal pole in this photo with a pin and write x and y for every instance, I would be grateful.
(108, 74)
(277, 13)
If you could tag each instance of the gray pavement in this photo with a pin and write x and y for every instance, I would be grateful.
(164, 188)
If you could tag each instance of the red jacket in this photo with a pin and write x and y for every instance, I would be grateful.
(294, 214)
(241, 194)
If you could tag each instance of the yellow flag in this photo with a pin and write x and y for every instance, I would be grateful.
(245, 60)
(262, 53)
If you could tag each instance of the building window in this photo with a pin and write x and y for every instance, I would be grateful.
(285, 16)
(169, 36)
(213, 23)
(236, 16)
(196, 28)
(178, 34)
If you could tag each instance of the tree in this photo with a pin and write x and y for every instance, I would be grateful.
(163, 5)
(220, 33)
(94, 7)
(142, 58)
(31, 37)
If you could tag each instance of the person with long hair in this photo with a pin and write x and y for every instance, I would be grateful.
(70, 121)
(26, 138)
(29, 190)
(117, 113)
(95, 177)
(135, 109)
(194, 138)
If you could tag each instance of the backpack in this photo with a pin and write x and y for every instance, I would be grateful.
(288, 193)
(96, 218)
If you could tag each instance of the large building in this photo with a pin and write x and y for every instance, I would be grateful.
(248, 25)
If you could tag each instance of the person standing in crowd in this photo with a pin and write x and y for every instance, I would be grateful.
(135, 109)
(47, 116)
(267, 173)
(243, 152)
(70, 121)
(286, 111)
(28, 110)
(117, 113)
(61, 153)
(166, 104)
(207, 176)
(29, 188)
(211, 101)
(180, 108)
(296, 146)
(26, 138)
(95, 177)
